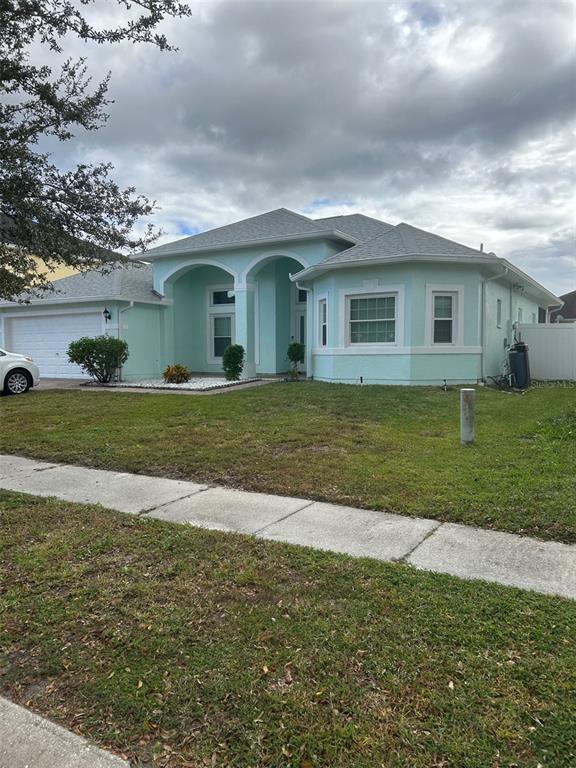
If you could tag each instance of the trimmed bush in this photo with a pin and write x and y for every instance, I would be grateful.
(100, 357)
(176, 374)
(233, 361)
(295, 356)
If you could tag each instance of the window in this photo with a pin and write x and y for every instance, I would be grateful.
(221, 334)
(499, 313)
(534, 317)
(301, 296)
(222, 297)
(323, 323)
(372, 319)
(444, 318)
(519, 314)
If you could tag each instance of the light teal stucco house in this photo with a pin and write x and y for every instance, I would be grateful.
(371, 301)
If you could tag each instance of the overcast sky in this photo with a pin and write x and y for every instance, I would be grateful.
(457, 117)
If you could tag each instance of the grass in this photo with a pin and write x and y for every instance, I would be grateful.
(181, 647)
(387, 448)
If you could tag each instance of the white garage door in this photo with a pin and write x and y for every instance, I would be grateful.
(45, 338)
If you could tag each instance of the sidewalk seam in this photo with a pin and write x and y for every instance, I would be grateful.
(404, 558)
(281, 519)
(173, 501)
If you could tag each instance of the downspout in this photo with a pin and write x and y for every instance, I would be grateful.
(483, 320)
(120, 313)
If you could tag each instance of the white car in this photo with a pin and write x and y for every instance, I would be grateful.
(17, 373)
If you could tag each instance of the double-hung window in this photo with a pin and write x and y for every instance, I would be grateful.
(372, 319)
(323, 323)
(444, 318)
(221, 334)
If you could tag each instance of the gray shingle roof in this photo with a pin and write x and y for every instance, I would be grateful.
(356, 224)
(126, 281)
(402, 240)
(279, 223)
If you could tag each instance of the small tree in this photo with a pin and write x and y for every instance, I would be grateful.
(99, 357)
(233, 361)
(295, 356)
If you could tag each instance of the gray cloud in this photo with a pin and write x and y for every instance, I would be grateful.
(452, 115)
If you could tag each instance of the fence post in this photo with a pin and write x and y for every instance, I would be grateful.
(467, 402)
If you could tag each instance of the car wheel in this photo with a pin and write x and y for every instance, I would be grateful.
(17, 382)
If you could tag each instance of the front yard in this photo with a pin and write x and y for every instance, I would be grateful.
(184, 647)
(386, 448)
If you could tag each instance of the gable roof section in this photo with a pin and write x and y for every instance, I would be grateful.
(361, 227)
(278, 224)
(129, 282)
(402, 240)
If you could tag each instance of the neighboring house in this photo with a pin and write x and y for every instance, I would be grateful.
(567, 313)
(371, 302)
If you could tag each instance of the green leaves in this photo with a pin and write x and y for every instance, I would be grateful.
(99, 357)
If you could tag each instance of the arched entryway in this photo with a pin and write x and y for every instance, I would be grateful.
(203, 316)
(278, 309)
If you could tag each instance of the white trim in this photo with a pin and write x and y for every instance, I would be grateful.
(392, 350)
(268, 256)
(343, 306)
(181, 267)
(458, 315)
(40, 312)
(40, 302)
(212, 359)
(219, 307)
(322, 298)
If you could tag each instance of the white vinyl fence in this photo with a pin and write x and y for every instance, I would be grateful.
(552, 350)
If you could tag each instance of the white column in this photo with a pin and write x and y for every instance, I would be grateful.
(245, 325)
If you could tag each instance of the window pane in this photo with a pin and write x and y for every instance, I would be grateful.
(443, 306)
(373, 332)
(301, 296)
(373, 308)
(499, 312)
(222, 326)
(322, 311)
(324, 335)
(220, 344)
(221, 297)
(302, 329)
(442, 331)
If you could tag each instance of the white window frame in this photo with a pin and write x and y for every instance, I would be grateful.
(322, 309)
(445, 289)
(371, 294)
(210, 297)
(498, 313)
(211, 318)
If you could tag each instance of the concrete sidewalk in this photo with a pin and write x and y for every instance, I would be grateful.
(30, 741)
(470, 553)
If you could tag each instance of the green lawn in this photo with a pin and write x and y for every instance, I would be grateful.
(183, 647)
(388, 448)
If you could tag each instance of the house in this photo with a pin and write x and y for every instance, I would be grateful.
(372, 302)
(567, 313)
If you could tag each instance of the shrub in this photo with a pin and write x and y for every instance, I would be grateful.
(176, 374)
(233, 361)
(99, 357)
(295, 356)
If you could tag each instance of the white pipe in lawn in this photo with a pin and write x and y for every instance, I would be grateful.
(467, 403)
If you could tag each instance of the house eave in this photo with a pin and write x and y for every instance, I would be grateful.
(489, 260)
(239, 244)
(40, 302)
